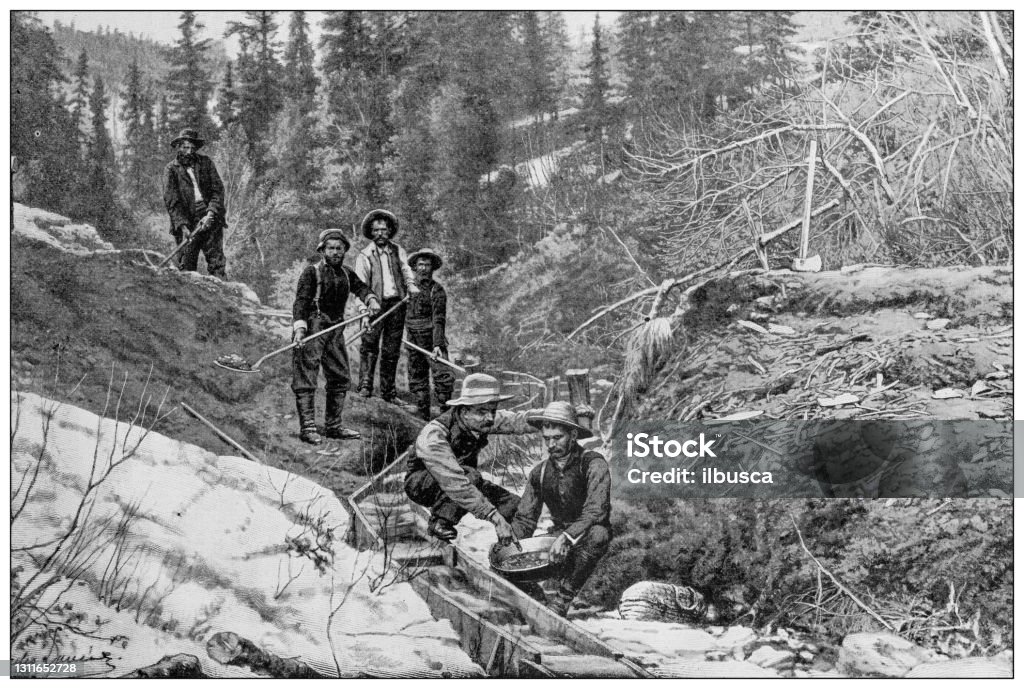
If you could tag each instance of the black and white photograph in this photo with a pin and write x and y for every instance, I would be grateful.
(517, 343)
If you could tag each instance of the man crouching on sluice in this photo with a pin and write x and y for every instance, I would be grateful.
(443, 474)
(575, 484)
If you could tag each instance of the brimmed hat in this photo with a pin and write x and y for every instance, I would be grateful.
(426, 253)
(190, 135)
(479, 388)
(332, 234)
(562, 414)
(376, 214)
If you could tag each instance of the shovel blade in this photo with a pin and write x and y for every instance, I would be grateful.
(807, 265)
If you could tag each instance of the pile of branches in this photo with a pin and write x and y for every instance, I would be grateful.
(912, 122)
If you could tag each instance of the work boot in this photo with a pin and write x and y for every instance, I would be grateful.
(332, 418)
(423, 407)
(561, 601)
(441, 529)
(304, 403)
(367, 364)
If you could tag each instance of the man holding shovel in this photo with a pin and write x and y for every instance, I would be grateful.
(320, 300)
(425, 322)
(383, 266)
(194, 197)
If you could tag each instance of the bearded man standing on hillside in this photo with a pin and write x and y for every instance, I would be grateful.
(425, 322)
(320, 300)
(194, 197)
(383, 265)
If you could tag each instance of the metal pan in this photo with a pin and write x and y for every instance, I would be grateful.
(503, 560)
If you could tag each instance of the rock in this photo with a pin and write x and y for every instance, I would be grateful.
(736, 637)
(979, 668)
(701, 668)
(922, 316)
(766, 656)
(880, 655)
(806, 656)
(947, 394)
(658, 601)
(937, 324)
(780, 329)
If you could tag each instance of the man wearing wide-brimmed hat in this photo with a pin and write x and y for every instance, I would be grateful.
(194, 196)
(320, 300)
(425, 322)
(576, 487)
(383, 265)
(443, 472)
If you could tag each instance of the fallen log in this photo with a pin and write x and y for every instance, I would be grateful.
(180, 666)
(227, 648)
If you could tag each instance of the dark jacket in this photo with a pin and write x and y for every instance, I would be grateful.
(578, 497)
(335, 286)
(427, 312)
(179, 195)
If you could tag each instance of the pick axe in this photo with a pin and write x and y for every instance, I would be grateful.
(181, 247)
(803, 264)
(431, 355)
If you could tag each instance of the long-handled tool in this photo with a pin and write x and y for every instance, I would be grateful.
(805, 264)
(375, 321)
(435, 358)
(233, 362)
(181, 247)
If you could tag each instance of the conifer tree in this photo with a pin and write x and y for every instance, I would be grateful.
(137, 147)
(227, 112)
(188, 84)
(595, 109)
(102, 175)
(44, 136)
(300, 79)
(556, 40)
(80, 98)
(258, 83)
(538, 86)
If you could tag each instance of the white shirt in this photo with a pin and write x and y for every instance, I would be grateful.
(195, 186)
(363, 271)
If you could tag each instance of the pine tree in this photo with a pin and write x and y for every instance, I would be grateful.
(135, 155)
(538, 86)
(773, 30)
(300, 80)
(560, 53)
(102, 175)
(595, 109)
(258, 83)
(227, 111)
(80, 98)
(188, 84)
(44, 136)
(636, 51)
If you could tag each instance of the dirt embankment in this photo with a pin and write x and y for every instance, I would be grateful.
(95, 328)
(891, 338)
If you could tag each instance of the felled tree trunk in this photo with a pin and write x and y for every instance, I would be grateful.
(181, 666)
(228, 648)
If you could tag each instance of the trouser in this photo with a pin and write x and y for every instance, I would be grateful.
(583, 558)
(210, 242)
(383, 339)
(327, 352)
(423, 489)
(420, 369)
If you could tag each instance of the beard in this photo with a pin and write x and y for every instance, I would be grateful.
(187, 159)
(334, 260)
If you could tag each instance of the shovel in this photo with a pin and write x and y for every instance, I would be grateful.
(181, 247)
(804, 264)
(377, 320)
(233, 362)
(431, 355)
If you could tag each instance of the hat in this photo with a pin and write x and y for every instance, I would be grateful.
(332, 234)
(189, 134)
(426, 253)
(562, 414)
(377, 214)
(479, 388)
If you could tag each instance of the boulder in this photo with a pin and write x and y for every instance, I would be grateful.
(766, 656)
(978, 668)
(880, 655)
